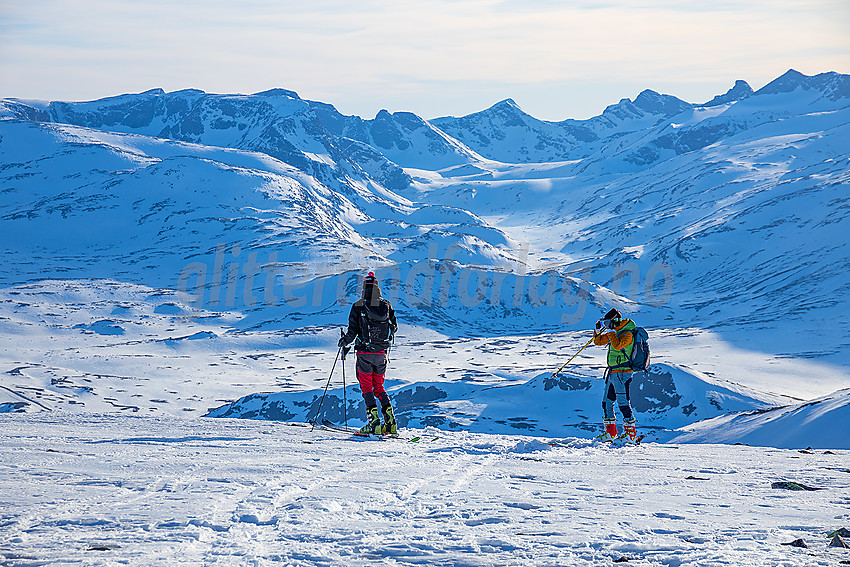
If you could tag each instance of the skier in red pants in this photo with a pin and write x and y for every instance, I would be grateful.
(372, 325)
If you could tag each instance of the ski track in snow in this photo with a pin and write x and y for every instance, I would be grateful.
(110, 490)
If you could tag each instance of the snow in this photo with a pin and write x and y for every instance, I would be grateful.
(170, 257)
(786, 426)
(110, 490)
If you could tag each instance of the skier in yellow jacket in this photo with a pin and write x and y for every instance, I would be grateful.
(618, 334)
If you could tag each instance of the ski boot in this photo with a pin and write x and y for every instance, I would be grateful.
(630, 429)
(373, 424)
(610, 431)
(389, 427)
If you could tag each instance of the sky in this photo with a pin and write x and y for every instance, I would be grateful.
(556, 59)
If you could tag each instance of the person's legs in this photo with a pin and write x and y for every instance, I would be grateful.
(365, 376)
(379, 364)
(622, 385)
(621, 382)
(609, 419)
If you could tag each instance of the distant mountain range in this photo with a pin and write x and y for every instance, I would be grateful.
(743, 198)
(729, 216)
(279, 123)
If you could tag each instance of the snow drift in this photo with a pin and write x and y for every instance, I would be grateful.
(821, 423)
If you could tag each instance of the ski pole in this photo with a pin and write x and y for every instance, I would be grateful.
(344, 396)
(319, 410)
(573, 356)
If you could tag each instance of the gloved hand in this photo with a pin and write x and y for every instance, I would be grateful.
(601, 328)
(341, 342)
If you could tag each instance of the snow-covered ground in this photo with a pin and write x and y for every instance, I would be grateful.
(90, 489)
(109, 347)
(169, 256)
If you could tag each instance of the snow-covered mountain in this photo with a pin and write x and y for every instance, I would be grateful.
(791, 426)
(744, 202)
(311, 136)
(505, 133)
(728, 216)
(644, 131)
(142, 208)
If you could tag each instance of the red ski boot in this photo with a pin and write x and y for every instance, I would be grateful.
(610, 431)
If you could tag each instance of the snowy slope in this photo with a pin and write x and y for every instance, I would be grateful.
(109, 346)
(141, 209)
(109, 490)
(753, 223)
(564, 405)
(818, 421)
(138, 209)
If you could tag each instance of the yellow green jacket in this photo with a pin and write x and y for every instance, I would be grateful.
(621, 343)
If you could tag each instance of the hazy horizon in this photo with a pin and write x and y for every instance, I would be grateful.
(433, 58)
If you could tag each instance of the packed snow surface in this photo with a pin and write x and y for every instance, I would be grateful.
(110, 490)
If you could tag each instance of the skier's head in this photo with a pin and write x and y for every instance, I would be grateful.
(371, 290)
(612, 318)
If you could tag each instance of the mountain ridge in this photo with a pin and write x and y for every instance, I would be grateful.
(274, 207)
(293, 129)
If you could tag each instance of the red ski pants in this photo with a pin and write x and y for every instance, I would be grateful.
(371, 367)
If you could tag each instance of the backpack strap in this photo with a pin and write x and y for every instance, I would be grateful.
(628, 363)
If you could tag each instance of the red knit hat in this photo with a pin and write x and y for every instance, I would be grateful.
(370, 279)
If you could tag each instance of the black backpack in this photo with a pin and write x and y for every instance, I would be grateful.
(375, 328)
(640, 352)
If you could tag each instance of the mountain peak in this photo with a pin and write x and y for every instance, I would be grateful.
(786, 83)
(739, 91)
(792, 74)
(833, 85)
(279, 92)
(656, 103)
(506, 104)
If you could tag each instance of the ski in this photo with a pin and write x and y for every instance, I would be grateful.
(330, 426)
(624, 440)
(327, 424)
(617, 442)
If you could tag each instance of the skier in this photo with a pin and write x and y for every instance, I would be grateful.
(372, 325)
(618, 334)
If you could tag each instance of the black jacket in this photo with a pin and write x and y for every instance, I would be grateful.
(376, 316)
